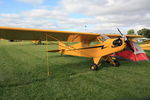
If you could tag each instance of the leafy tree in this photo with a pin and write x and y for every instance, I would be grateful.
(145, 32)
(131, 32)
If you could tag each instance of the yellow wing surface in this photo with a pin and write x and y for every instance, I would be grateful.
(145, 46)
(128, 36)
(12, 33)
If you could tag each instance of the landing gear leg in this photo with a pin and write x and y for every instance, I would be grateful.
(116, 63)
(112, 61)
(95, 65)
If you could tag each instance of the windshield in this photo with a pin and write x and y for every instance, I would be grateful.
(104, 37)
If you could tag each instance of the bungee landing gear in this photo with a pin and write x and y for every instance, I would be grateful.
(95, 67)
(116, 63)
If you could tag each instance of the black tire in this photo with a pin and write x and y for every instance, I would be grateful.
(94, 67)
(117, 64)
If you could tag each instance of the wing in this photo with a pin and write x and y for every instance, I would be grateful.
(145, 46)
(12, 33)
(128, 36)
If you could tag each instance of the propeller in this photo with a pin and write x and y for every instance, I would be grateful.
(126, 40)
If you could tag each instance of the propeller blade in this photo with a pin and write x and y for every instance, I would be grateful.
(126, 40)
(129, 45)
(119, 31)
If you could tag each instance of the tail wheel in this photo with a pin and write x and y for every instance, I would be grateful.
(94, 67)
(117, 64)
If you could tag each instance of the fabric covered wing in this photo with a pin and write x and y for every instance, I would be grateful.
(128, 36)
(12, 33)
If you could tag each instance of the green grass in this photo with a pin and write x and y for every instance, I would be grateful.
(23, 76)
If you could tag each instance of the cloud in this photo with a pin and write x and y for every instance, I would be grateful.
(32, 1)
(111, 13)
(44, 13)
(101, 16)
(102, 7)
(37, 18)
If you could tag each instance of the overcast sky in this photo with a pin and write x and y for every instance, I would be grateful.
(101, 16)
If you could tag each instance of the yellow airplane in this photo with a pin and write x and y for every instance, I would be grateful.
(83, 48)
(145, 46)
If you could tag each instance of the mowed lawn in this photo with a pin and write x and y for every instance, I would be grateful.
(23, 76)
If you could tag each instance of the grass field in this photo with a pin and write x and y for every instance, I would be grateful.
(23, 76)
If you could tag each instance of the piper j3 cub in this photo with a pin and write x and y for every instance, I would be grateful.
(82, 47)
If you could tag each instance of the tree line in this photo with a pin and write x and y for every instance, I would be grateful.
(145, 32)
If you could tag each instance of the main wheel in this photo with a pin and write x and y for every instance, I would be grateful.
(117, 64)
(94, 67)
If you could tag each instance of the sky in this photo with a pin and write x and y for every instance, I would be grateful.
(99, 16)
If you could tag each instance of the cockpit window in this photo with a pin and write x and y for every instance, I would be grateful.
(104, 37)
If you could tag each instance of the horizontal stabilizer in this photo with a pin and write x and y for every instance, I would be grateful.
(53, 50)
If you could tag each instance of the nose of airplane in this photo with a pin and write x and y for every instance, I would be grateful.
(117, 42)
